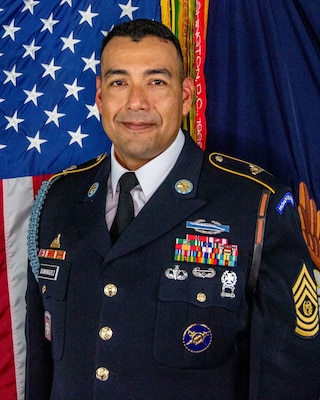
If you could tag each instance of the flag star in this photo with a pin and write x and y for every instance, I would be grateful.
(1, 100)
(90, 63)
(105, 33)
(73, 89)
(69, 2)
(13, 121)
(127, 9)
(10, 30)
(36, 142)
(29, 5)
(49, 23)
(12, 76)
(32, 95)
(93, 111)
(50, 69)
(31, 50)
(54, 116)
(87, 16)
(77, 137)
(2, 146)
(69, 42)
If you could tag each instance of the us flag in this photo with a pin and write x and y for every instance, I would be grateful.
(49, 59)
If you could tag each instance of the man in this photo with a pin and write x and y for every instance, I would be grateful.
(208, 293)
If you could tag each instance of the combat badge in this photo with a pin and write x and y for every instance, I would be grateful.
(207, 228)
(306, 303)
(197, 338)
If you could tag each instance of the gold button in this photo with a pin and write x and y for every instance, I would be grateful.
(105, 333)
(44, 289)
(110, 290)
(102, 374)
(201, 297)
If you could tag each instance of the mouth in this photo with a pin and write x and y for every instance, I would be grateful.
(137, 126)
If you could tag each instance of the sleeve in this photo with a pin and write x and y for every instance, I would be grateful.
(285, 338)
(39, 361)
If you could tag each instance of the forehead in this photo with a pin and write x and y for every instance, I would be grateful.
(124, 52)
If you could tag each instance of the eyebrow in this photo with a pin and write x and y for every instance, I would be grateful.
(153, 71)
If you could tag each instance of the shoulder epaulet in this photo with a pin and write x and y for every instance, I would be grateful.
(32, 239)
(243, 168)
(83, 167)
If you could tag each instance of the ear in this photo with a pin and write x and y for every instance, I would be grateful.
(98, 93)
(187, 93)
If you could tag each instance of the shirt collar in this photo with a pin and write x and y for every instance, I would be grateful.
(152, 174)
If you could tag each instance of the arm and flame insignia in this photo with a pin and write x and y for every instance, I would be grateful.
(306, 304)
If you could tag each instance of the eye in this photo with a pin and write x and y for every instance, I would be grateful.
(157, 82)
(118, 82)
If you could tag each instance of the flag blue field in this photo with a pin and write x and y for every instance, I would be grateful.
(49, 59)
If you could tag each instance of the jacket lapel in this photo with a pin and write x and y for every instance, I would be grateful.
(167, 208)
(90, 210)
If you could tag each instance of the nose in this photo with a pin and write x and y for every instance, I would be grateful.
(137, 99)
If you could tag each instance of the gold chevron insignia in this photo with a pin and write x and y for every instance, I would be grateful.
(306, 304)
(55, 244)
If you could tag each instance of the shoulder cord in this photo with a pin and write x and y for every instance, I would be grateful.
(258, 242)
(32, 238)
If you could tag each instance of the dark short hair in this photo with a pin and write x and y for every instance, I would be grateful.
(141, 28)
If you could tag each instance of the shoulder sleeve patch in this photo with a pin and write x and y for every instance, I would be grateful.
(242, 168)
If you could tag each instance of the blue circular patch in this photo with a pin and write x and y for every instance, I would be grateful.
(93, 189)
(197, 338)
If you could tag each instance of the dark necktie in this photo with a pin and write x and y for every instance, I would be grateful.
(125, 210)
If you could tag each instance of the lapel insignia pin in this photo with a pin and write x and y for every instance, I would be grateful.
(197, 338)
(176, 273)
(93, 189)
(183, 186)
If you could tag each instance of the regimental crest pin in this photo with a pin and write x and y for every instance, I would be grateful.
(306, 303)
(55, 244)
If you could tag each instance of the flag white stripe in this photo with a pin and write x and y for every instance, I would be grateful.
(18, 197)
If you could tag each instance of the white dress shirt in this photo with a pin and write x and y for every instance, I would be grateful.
(150, 177)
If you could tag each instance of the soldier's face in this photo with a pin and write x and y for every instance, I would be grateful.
(141, 97)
